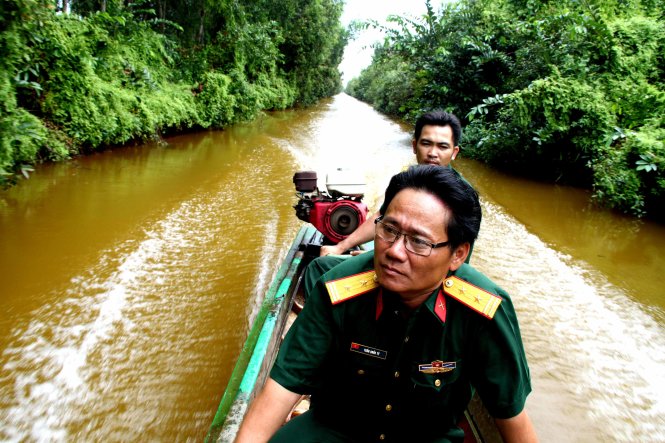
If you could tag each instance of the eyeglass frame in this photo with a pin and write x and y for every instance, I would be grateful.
(399, 234)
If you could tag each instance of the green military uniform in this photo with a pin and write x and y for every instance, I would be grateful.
(378, 374)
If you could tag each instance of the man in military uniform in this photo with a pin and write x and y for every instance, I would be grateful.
(391, 344)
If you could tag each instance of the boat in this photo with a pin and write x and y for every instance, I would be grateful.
(260, 348)
(282, 301)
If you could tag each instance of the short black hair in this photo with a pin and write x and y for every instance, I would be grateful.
(439, 118)
(451, 189)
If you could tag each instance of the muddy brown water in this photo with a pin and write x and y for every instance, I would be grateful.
(129, 280)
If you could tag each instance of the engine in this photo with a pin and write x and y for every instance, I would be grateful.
(335, 213)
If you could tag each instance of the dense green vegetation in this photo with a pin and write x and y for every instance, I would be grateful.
(78, 75)
(570, 90)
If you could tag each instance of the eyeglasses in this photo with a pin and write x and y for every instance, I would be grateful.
(413, 244)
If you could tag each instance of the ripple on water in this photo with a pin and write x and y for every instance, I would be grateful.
(121, 344)
(597, 358)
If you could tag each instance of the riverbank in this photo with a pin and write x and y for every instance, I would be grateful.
(567, 92)
(91, 76)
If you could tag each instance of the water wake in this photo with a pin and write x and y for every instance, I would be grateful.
(61, 362)
(580, 332)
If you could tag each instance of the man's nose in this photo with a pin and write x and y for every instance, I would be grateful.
(398, 248)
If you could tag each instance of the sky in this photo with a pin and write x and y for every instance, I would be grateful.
(358, 53)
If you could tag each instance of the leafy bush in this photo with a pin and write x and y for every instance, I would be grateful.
(631, 175)
(21, 136)
(275, 92)
(563, 121)
(245, 97)
(215, 103)
(388, 87)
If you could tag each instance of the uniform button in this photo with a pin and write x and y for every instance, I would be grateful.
(396, 374)
(437, 382)
(382, 437)
(361, 372)
(389, 408)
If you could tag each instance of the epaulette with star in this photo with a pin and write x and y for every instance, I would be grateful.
(352, 286)
(478, 299)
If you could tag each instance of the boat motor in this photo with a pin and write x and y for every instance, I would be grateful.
(337, 212)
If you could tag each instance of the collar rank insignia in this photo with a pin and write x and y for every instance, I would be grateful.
(352, 286)
(479, 300)
(437, 367)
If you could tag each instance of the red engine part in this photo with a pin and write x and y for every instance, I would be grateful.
(337, 219)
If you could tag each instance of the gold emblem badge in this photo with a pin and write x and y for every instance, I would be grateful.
(437, 367)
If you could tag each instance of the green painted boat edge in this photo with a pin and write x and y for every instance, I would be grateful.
(235, 385)
(262, 357)
(254, 366)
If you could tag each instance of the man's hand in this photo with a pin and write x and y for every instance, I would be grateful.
(331, 250)
(363, 234)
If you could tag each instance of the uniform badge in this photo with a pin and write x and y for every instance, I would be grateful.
(440, 306)
(366, 350)
(481, 301)
(437, 367)
(352, 286)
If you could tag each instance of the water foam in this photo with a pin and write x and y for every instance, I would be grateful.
(581, 333)
(49, 358)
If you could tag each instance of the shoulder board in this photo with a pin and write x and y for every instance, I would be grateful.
(478, 299)
(352, 286)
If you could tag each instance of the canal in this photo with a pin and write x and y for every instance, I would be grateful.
(129, 279)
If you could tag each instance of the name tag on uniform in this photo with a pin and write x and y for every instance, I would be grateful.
(366, 350)
(437, 367)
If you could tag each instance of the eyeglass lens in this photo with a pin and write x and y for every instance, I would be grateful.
(415, 245)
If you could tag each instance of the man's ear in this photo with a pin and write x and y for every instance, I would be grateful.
(455, 152)
(414, 143)
(459, 256)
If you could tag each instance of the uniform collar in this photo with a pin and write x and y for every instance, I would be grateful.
(435, 303)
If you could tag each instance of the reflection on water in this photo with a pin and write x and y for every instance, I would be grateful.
(130, 278)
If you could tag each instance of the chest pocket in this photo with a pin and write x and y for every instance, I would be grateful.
(435, 388)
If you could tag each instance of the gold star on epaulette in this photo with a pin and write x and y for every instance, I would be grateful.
(351, 286)
(472, 296)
